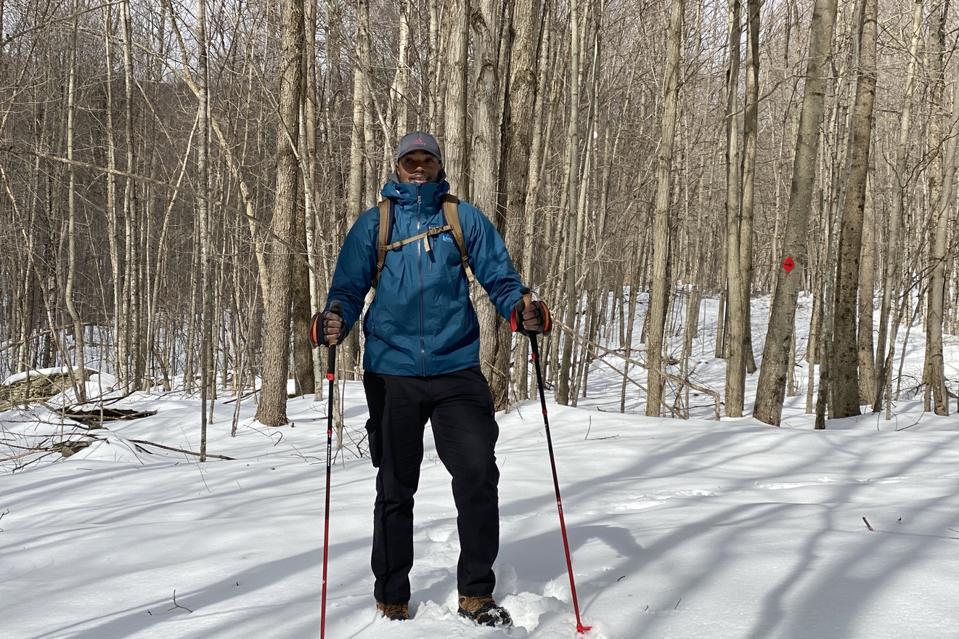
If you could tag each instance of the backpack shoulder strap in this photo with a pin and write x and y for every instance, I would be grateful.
(386, 225)
(452, 216)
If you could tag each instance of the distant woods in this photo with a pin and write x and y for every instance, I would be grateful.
(176, 180)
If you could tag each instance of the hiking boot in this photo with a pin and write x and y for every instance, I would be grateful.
(394, 612)
(484, 611)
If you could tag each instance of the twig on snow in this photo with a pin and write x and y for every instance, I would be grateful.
(176, 605)
(179, 450)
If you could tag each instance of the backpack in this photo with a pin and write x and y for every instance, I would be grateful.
(451, 217)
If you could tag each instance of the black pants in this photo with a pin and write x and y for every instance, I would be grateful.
(460, 409)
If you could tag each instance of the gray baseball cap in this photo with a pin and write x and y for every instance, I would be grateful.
(418, 141)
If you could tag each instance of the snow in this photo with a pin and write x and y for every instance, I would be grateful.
(40, 372)
(678, 528)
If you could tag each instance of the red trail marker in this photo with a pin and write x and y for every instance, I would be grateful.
(788, 265)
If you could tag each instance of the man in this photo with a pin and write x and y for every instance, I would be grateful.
(422, 363)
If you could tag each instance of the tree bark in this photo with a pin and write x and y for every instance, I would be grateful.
(456, 158)
(937, 267)
(131, 293)
(570, 294)
(207, 379)
(348, 351)
(484, 181)
(844, 397)
(276, 347)
(941, 207)
(736, 322)
(533, 182)
(661, 249)
(771, 388)
(891, 262)
(111, 183)
(867, 286)
(750, 134)
(68, 292)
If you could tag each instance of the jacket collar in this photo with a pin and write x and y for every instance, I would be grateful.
(404, 193)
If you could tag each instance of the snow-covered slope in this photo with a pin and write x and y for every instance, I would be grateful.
(679, 529)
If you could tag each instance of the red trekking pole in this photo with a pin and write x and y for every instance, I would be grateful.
(534, 347)
(330, 375)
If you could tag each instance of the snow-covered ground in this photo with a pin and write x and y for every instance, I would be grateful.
(678, 529)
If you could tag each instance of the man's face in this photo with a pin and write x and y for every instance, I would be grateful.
(418, 167)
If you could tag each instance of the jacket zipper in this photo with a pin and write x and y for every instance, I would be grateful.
(419, 265)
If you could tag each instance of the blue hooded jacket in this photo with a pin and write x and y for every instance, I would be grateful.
(421, 321)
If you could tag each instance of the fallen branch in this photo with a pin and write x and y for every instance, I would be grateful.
(179, 450)
(100, 415)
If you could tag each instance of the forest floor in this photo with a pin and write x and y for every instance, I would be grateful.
(678, 528)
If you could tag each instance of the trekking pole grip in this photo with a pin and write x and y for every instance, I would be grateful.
(337, 308)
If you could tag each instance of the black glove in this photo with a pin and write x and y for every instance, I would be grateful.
(327, 327)
(530, 317)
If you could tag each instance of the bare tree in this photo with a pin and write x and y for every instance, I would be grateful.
(656, 320)
(737, 302)
(272, 408)
(934, 368)
(68, 290)
(844, 399)
(484, 179)
(455, 107)
(203, 221)
(570, 295)
(892, 264)
(771, 388)
(937, 267)
(521, 151)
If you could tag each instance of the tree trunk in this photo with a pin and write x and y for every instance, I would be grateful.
(772, 376)
(736, 323)
(891, 261)
(318, 272)
(348, 351)
(521, 98)
(68, 293)
(485, 155)
(659, 294)
(111, 183)
(399, 100)
(867, 286)
(456, 160)
(203, 221)
(938, 229)
(844, 396)
(131, 293)
(570, 295)
(302, 351)
(533, 181)
(750, 133)
(276, 347)
(937, 267)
